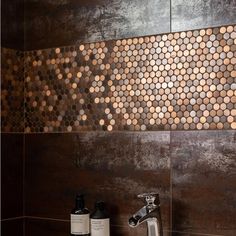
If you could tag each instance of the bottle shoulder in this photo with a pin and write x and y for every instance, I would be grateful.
(83, 211)
(97, 214)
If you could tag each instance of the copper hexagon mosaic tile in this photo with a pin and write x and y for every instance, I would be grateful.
(175, 81)
(12, 90)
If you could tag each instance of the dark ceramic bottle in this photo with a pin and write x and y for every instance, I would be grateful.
(80, 222)
(100, 222)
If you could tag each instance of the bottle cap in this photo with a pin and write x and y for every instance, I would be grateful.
(100, 205)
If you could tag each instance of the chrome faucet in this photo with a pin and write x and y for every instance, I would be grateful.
(150, 213)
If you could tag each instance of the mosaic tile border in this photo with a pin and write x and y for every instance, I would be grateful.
(174, 81)
(12, 90)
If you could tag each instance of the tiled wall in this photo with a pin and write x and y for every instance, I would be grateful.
(173, 81)
(95, 163)
(114, 86)
(12, 24)
(12, 90)
(176, 81)
(72, 22)
(12, 155)
(203, 182)
(12, 117)
(193, 171)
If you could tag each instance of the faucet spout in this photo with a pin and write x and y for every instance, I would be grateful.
(138, 217)
(150, 214)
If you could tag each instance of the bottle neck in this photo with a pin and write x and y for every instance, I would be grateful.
(79, 204)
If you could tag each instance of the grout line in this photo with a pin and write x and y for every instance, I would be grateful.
(24, 112)
(23, 174)
(124, 131)
(113, 225)
(67, 221)
(170, 16)
(13, 218)
(46, 218)
(12, 132)
(200, 234)
(119, 131)
(24, 95)
(24, 116)
(24, 227)
(130, 131)
(115, 39)
(171, 183)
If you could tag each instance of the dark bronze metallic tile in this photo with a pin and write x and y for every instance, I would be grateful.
(203, 175)
(46, 227)
(82, 21)
(12, 227)
(58, 166)
(11, 175)
(174, 233)
(12, 24)
(190, 14)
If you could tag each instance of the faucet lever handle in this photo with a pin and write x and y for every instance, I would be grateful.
(149, 197)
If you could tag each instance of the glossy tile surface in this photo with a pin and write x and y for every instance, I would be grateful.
(204, 183)
(70, 22)
(114, 167)
(196, 14)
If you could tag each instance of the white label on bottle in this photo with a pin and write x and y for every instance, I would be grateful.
(100, 227)
(79, 224)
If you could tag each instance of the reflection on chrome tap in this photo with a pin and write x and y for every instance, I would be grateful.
(150, 213)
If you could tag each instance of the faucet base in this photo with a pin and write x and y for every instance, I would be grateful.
(152, 226)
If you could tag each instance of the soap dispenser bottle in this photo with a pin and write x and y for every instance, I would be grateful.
(100, 222)
(80, 223)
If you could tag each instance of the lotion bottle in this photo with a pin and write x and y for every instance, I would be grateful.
(80, 223)
(100, 221)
